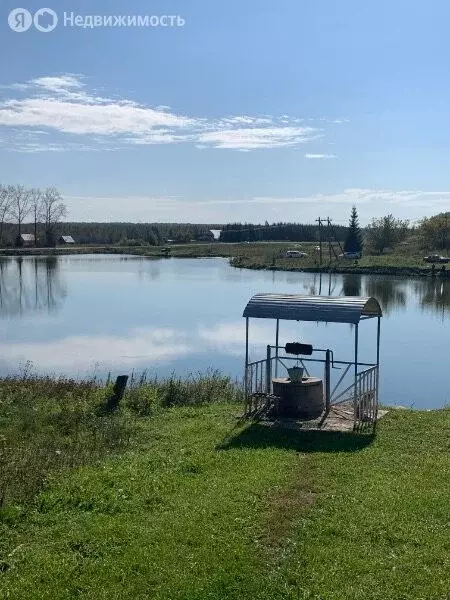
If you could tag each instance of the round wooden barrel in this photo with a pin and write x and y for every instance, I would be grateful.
(299, 400)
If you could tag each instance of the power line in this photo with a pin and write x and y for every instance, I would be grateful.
(331, 238)
(319, 220)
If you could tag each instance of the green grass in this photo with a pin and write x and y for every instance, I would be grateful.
(48, 425)
(200, 506)
(404, 261)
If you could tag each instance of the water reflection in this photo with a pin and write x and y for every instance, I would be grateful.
(351, 285)
(184, 316)
(30, 285)
(391, 293)
(138, 347)
(434, 295)
(318, 284)
(36, 284)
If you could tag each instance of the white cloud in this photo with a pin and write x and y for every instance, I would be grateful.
(230, 337)
(246, 120)
(320, 156)
(55, 84)
(145, 346)
(83, 352)
(335, 121)
(370, 202)
(65, 106)
(264, 137)
(80, 118)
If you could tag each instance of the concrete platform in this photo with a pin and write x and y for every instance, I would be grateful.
(340, 418)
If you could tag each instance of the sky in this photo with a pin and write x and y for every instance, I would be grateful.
(229, 111)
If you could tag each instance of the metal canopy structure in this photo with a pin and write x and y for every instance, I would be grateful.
(329, 309)
(362, 394)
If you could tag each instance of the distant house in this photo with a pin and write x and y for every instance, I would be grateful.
(27, 239)
(216, 233)
(66, 239)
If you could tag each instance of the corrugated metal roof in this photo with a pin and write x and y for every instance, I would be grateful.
(68, 239)
(294, 307)
(27, 237)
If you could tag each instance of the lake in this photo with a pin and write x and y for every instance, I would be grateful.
(85, 315)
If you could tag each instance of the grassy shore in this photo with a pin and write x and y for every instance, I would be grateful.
(195, 504)
(405, 261)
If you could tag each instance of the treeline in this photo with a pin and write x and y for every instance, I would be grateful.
(430, 233)
(40, 213)
(137, 234)
(381, 234)
(127, 234)
(278, 232)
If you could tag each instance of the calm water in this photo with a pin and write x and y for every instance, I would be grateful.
(80, 315)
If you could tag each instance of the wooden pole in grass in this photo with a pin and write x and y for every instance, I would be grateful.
(113, 401)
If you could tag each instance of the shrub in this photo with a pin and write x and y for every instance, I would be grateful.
(143, 400)
(132, 243)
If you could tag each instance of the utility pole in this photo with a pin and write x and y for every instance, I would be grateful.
(336, 238)
(331, 247)
(329, 239)
(319, 220)
(446, 231)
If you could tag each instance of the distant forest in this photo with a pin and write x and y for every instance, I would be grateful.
(158, 233)
(117, 233)
(35, 217)
(381, 233)
(291, 232)
(46, 210)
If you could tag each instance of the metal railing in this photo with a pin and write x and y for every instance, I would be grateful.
(365, 399)
(256, 378)
(362, 392)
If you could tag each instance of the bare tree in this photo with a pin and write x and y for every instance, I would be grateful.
(5, 207)
(53, 210)
(36, 209)
(20, 206)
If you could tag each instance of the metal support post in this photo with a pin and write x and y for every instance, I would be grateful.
(277, 338)
(246, 359)
(268, 369)
(327, 379)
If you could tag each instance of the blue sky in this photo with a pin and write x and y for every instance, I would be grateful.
(251, 111)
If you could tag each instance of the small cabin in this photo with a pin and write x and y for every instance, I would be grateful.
(27, 239)
(66, 239)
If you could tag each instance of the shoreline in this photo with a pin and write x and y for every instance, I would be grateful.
(238, 262)
(381, 270)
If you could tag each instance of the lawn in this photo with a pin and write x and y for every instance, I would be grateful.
(202, 506)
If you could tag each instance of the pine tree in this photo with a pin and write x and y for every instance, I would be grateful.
(353, 241)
